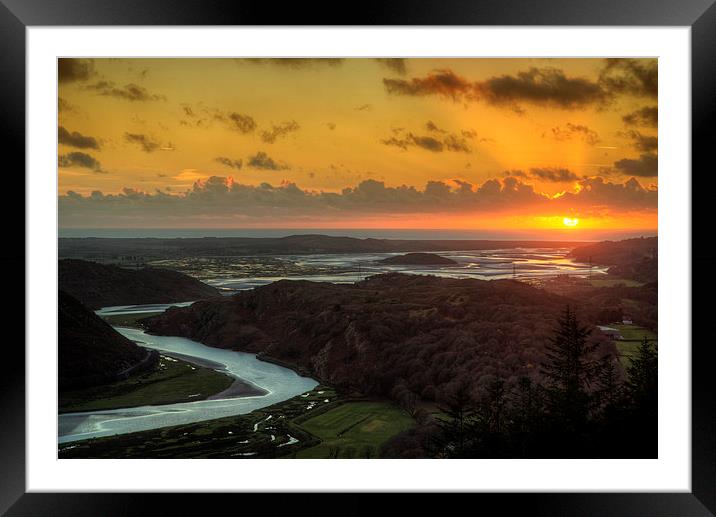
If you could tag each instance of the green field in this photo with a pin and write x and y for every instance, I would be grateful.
(633, 336)
(354, 429)
(613, 282)
(172, 381)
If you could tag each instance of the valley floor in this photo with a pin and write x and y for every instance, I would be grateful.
(317, 424)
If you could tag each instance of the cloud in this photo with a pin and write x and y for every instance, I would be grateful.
(410, 140)
(130, 92)
(637, 77)
(442, 83)
(647, 116)
(430, 125)
(79, 159)
(570, 131)
(263, 161)
(75, 139)
(397, 65)
(145, 142)
(71, 70)
(236, 164)
(647, 165)
(202, 116)
(426, 142)
(551, 174)
(539, 86)
(457, 144)
(223, 199)
(442, 141)
(296, 63)
(65, 106)
(280, 131)
(643, 143)
(595, 193)
(237, 121)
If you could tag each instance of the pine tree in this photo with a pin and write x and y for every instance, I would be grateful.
(642, 374)
(608, 392)
(457, 426)
(492, 408)
(642, 400)
(527, 415)
(492, 429)
(569, 370)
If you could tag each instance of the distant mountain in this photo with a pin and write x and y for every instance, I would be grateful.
(90, 351)
(154, 248)
(425, 333)
(419, 259)
(99, 285)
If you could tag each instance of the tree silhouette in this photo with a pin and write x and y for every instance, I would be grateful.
(642, 378)
(642, 397)
(569, 370)
(457, 425)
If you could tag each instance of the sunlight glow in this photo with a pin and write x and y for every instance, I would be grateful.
(570, 221)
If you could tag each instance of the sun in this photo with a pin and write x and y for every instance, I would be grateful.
(570, 221)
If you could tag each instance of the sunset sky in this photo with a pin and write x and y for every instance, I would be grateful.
(358, 143)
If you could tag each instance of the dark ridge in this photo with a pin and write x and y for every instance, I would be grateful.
(91, 352)
(424, 332)
(635, 259)
(99, 285)
(105, 249)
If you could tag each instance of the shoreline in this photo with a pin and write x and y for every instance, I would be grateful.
(156, 353)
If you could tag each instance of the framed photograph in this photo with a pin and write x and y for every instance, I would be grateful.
(442, 248)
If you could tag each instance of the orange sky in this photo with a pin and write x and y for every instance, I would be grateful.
(419, 143)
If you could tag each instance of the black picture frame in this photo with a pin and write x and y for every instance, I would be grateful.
(699, 15)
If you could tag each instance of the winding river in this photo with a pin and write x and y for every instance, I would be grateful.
(279, 383)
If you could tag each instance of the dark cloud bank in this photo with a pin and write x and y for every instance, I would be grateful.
(219, 197)
(540, 86)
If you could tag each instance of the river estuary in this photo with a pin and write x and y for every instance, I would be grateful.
(279, 383)
(237, 274)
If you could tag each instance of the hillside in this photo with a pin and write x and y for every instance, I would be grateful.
(635, 259)
(90, 352)
(419, 259)
(98, 285)
(389, 332)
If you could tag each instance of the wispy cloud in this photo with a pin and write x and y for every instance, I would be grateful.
(279, 131)
(145, 142)
(130, 92)
(261, 160)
